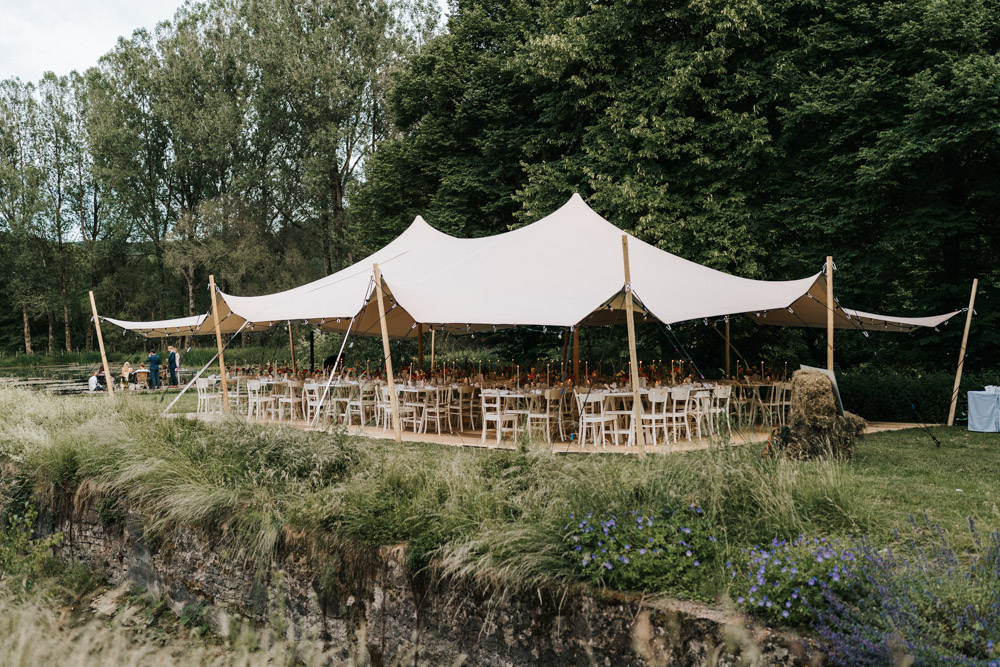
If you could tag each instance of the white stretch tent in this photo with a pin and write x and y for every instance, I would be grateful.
(331, 302)
(181, 326)
(567, 269)
(564, 270)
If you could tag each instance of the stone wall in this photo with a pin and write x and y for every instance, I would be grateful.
(375, 611)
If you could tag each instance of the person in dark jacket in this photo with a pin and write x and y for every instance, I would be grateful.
(154, 369)
(172, 365)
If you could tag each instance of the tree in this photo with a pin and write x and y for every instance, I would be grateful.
(322, 69)
(21, 196)
(56, 120)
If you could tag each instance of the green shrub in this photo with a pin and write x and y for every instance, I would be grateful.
(878, 395)
(783, 584)
(670, 550)
(25, 559)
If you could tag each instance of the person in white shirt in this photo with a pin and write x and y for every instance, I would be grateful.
(95, 384)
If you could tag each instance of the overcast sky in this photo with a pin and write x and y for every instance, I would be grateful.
(63, 35)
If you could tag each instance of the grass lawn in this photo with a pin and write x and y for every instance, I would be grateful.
(902, 473)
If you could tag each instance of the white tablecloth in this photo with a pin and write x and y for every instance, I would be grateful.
(984, 411)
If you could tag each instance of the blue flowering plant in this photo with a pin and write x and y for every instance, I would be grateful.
(925, 599)
(783, 584)
(663, 551)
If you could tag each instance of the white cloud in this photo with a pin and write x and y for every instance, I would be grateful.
(62, 35)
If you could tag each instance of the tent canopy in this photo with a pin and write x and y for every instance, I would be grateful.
(564, 270)
(181, 326)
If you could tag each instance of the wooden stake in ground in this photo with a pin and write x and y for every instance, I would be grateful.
(393, 399)
(637, 432)
(218, 343)
(829, 313)
(108, 380)
(420, 347)
(961, 354)
(291, 346)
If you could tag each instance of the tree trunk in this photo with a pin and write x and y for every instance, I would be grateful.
(325, 233)
(52, 329)
(69, 337)
(189, 277)
(27, 330)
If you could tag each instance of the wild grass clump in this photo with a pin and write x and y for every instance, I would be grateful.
(498, 517)
(234, 479)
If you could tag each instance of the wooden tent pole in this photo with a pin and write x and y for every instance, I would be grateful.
(108, 380)
(432, 349)
(312, 350)
(218, 343)
(961, 354)
(576, 356)
(291, 346)
(732, 347)
(829, 313)
(420, 347)
(637, 432)
(728, 345)
(565, 352)
(393, 399)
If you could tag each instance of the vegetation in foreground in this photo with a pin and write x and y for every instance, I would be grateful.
(508, 519)
(54, 613)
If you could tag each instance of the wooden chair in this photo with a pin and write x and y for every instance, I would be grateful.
(362, 404)
(656, 418)
(463, 406)
(545, 411)
(720, 408)
(412, 410)
(259, 403)
(786, 401)
(679, 413)
(383, 406)
(290, 398)
(208, 402)
(311, 392)
(618, 407)
(437, 408)
(493, 412)
(591, 408)
(772, 406)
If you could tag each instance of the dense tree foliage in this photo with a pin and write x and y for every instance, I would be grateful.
(225, 141)
(270, 142)
(756, 136)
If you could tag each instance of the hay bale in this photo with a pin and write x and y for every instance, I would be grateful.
(815, 427)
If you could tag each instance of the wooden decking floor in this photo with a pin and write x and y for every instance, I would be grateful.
(470, 438)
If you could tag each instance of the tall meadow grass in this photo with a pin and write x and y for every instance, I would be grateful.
(497, 516)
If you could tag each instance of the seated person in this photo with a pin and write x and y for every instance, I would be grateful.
(95, 383)
(140, 375)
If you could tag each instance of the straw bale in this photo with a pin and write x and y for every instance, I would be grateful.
(815, 427)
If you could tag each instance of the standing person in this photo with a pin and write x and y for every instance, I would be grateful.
(154, 369)
(172, 360)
